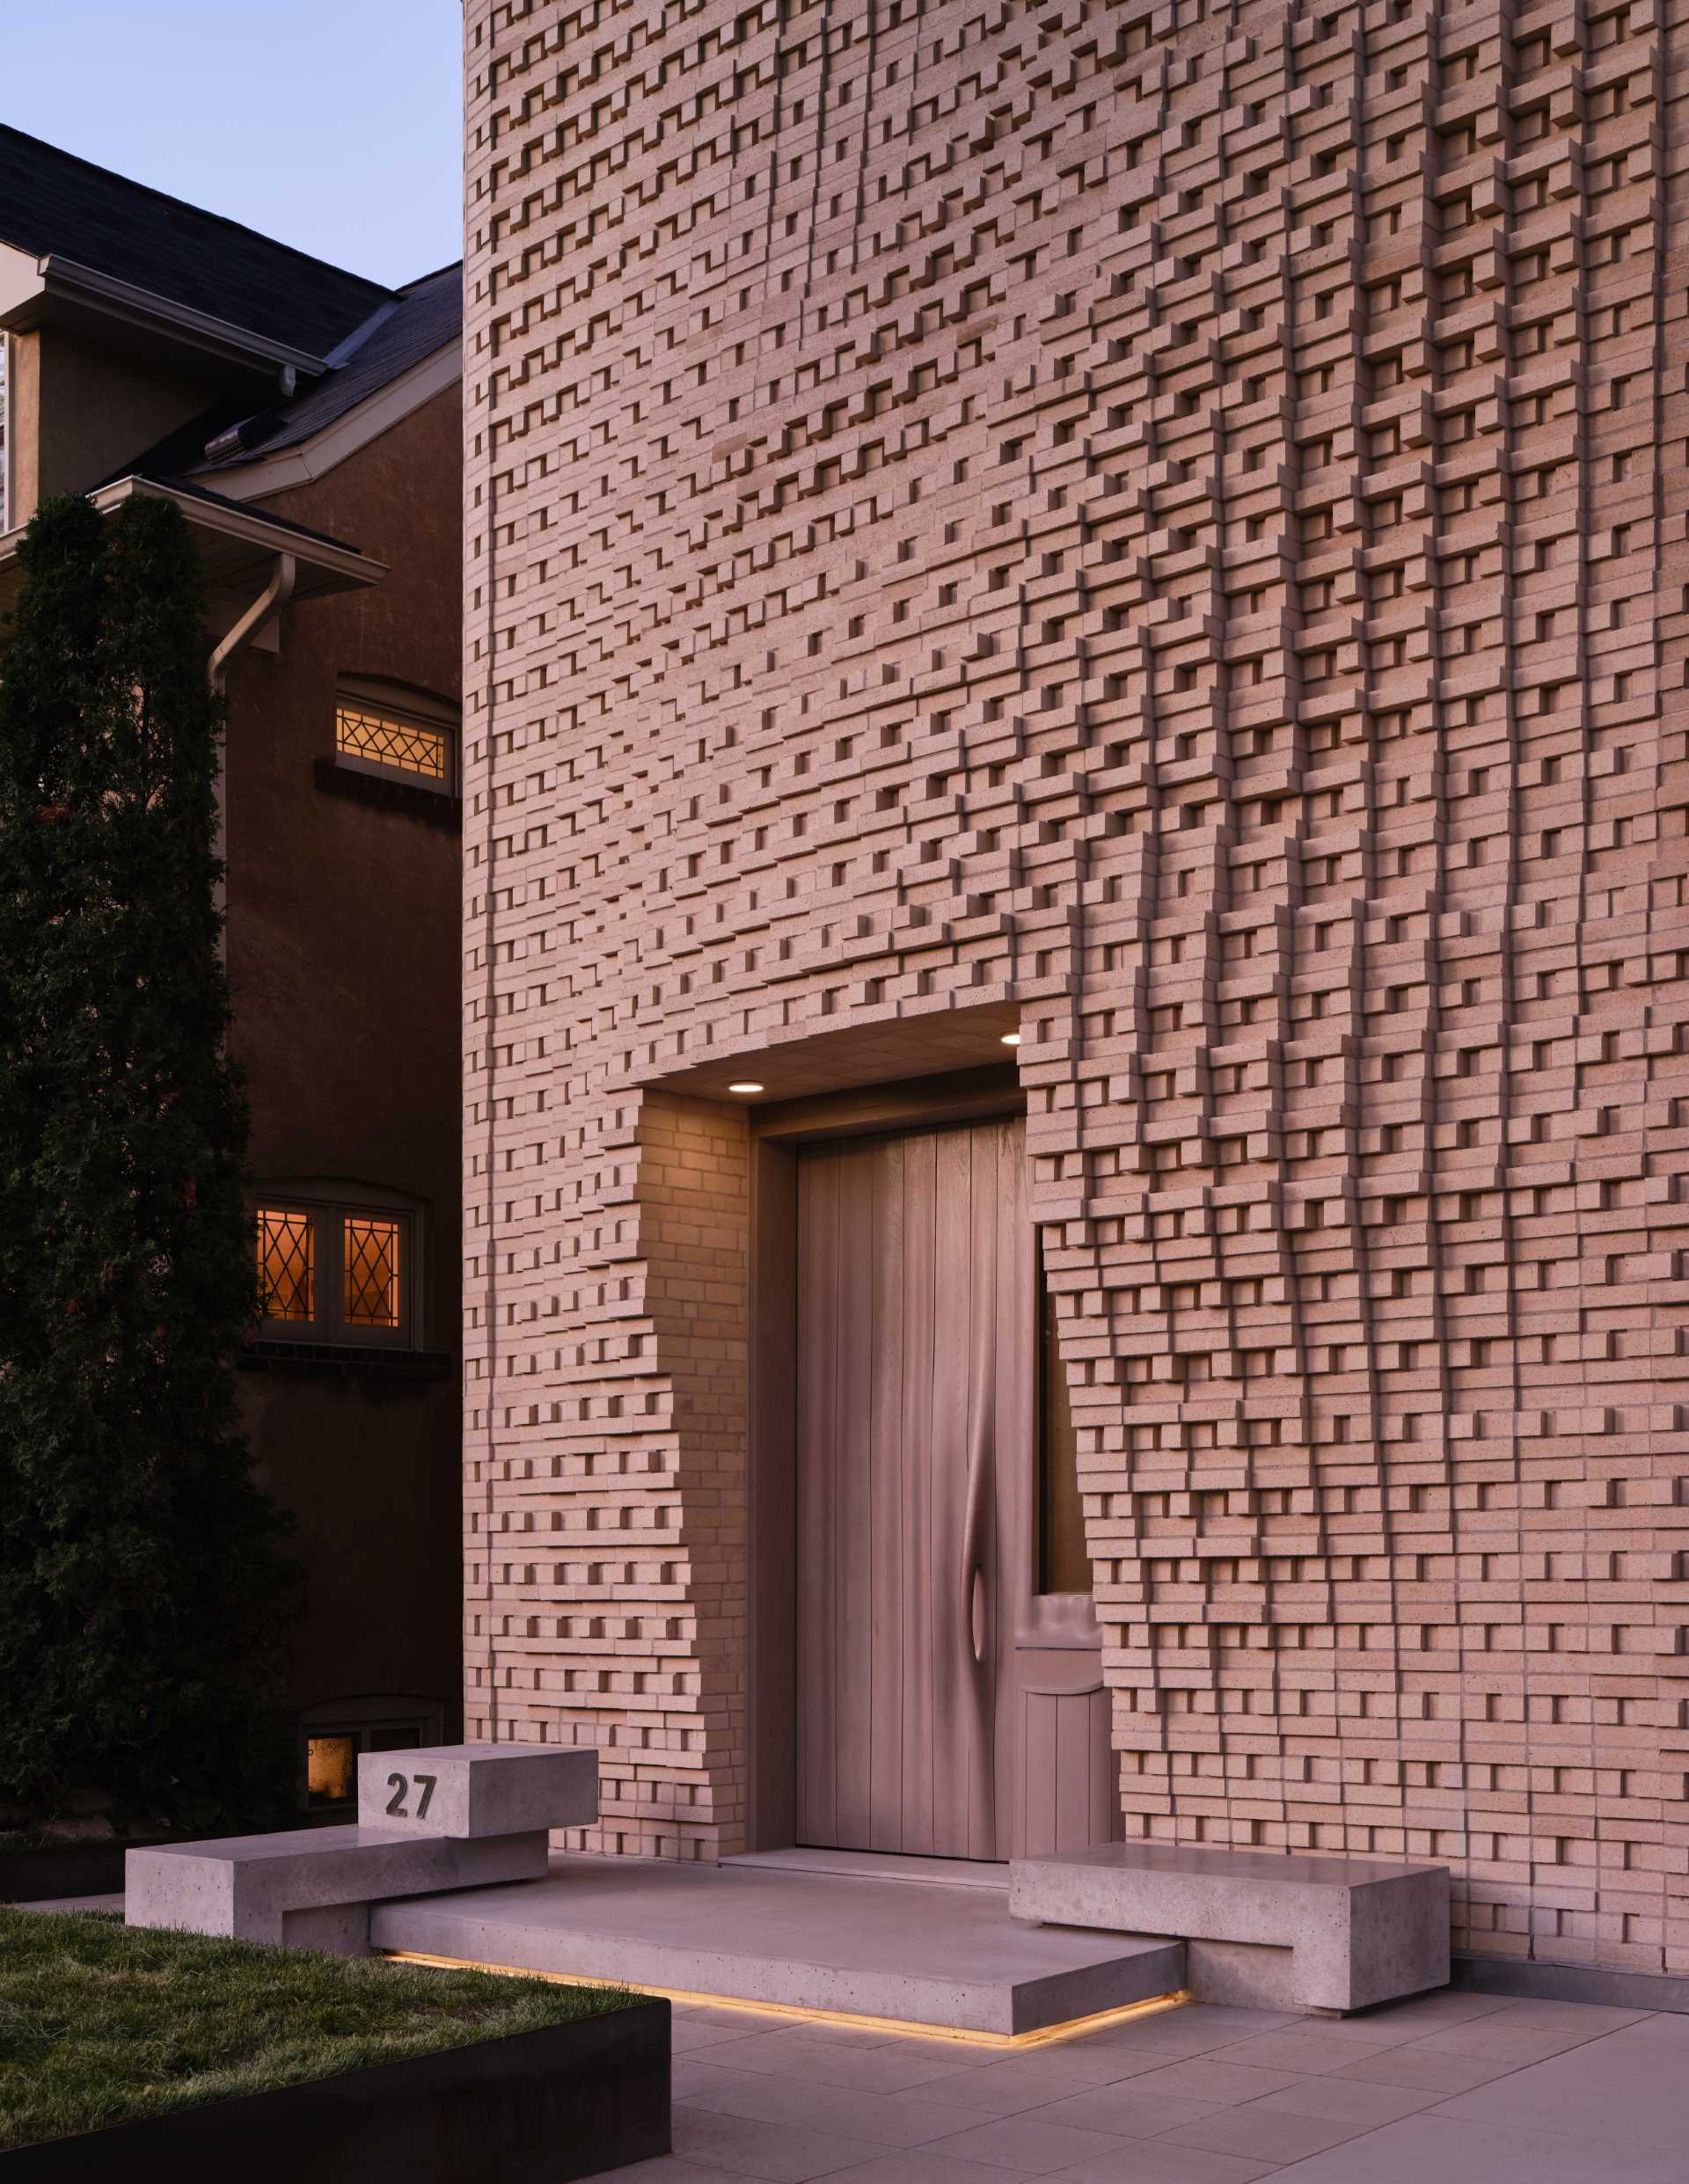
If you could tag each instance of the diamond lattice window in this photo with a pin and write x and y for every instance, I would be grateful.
(287, 1268)
(371, 1272)
(381, 739)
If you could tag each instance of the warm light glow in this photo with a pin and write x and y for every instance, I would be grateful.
(1046, 2036)
(286, 1263)
(332, 1767)
(1011, 1038)
(744, 1088)
(371, 1272)
(384, 741)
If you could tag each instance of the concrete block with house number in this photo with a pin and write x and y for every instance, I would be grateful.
(475, 1790)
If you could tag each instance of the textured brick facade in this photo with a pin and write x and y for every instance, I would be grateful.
(1173, 518)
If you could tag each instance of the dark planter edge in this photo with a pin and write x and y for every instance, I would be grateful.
(94, 1867)
(1534, 1981)
(536, 2107)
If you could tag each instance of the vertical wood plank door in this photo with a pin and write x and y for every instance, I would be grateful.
(915, 1325)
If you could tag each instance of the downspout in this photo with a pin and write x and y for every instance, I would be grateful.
(269, 603)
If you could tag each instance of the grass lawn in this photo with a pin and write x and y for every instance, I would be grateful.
(101, 2023)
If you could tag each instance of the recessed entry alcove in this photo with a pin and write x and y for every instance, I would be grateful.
(924, 1662)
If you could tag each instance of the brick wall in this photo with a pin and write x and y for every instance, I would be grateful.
(1173, 517)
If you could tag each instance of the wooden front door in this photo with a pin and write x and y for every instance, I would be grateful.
(916, 1365)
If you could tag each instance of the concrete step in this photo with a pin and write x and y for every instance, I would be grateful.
(929, 1872)
(936, 1956)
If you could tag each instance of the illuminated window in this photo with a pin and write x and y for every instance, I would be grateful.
(334, 1272)
(331, 1768)
(286, 1263)
(335, 1734)
(405, 734)
(371, 1272)
(405, 746)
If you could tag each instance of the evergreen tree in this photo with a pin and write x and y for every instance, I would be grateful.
(144, 1600)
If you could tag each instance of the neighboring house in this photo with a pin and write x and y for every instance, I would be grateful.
(307, 422)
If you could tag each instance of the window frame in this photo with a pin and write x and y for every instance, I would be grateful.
(408, 707)
(362, 1717)
(329, 1207)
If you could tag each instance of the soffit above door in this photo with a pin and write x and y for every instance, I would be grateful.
(935, 1041)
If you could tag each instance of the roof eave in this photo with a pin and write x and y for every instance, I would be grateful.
(236, 546)
(59, 289)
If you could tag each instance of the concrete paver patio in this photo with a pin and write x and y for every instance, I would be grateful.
(1450, 2089)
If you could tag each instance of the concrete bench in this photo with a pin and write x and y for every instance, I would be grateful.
(455, 1816)
(1355, 1933)
(310, 1888)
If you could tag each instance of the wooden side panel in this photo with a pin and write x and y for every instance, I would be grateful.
(942, 1653)
(1066, 1796)
(772, 1506)
(817, 1358)
(890, 1599)
(852, 1484)
(1015, 1276)
(917, 1824)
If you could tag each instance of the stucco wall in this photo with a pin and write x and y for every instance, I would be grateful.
(1173, 517)
(81, 409)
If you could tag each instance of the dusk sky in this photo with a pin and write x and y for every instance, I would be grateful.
(333, 125)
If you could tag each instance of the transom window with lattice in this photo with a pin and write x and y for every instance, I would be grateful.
(405, 734)
(404, 745)
(335, 1273)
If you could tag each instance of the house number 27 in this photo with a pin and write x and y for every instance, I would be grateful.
(400, 1785)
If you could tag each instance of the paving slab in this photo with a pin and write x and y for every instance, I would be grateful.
(1438, 2150)
(933, 1955)
(1630, 2086)
(1606, 2094)
(1159, 2161)
(778, 2153)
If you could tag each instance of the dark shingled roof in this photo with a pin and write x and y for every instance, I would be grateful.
(52, 202)
(424, 317)
(419, 319)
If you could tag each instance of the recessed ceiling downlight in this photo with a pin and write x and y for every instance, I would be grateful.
(1011, 1038)
(744, 1088)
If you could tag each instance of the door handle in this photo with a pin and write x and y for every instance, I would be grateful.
(974, 1603)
